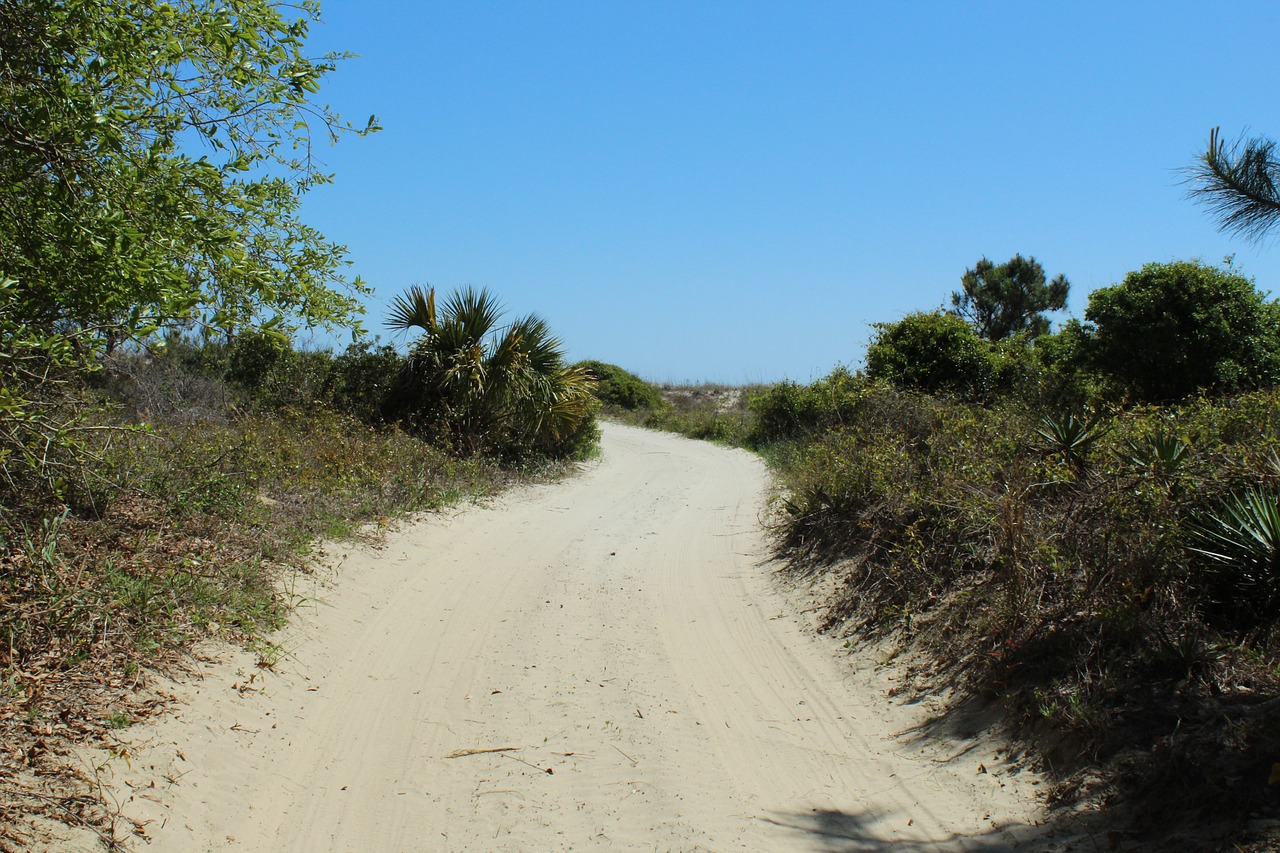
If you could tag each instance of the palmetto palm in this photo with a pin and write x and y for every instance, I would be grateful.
(491, 387)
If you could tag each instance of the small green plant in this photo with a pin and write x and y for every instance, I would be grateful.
(1071, 436)
(1243, 540)
(616, 387)
(933, 352)
(1160, 455)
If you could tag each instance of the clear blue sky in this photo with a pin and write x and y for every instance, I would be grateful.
(734, 191)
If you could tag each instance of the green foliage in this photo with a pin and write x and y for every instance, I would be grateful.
(487, 388)
(1062, 581)
(154, 154)
(788, 411)
(152, 160)
(1002, 300)
(1172, 329)
(617, 387)
(252, 356)
(1160, 455)
(932, 352)
(1071, 436)
(1243, 539)
(362, 379)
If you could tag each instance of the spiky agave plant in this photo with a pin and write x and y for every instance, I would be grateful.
(493, 388)
(1161, 455)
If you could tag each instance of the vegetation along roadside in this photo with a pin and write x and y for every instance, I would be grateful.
(1080, 527)
(167, 457)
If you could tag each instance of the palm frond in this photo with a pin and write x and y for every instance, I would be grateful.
(478, 311)
(1238, 184)
(415, 310)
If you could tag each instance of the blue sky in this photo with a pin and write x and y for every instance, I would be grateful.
(735, 191)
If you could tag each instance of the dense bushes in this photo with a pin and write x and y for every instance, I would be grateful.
(1169, 330)
(1085, 525)
(488, 388)
(1111, 579)
(1166, 332)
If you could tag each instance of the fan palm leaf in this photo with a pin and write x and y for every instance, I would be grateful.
(490, 385)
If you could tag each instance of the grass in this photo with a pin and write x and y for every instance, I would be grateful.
(187, 528)
(709, 411)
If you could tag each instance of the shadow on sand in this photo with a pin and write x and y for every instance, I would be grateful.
(833, 831)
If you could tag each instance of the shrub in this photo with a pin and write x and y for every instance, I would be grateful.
(252, 355)
(1114, 580)
(932, 352)
(617, 387)
(788, 411)
(1171, 329)
(361, 381)
(486, 388)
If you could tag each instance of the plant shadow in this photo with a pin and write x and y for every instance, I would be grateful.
(835, 831)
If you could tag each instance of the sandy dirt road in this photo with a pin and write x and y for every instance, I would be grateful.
(603, 663)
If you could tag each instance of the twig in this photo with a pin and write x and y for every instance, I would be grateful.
(546, 770)
(463, 753)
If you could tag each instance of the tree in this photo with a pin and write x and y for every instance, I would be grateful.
(152, 159)
(1238, 184)
(1002, 300)
(1171, 329)
(931, 352)
(488, 388)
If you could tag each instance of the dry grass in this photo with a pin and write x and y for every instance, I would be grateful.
(707, 411)
(185, 531)
(1059, 583)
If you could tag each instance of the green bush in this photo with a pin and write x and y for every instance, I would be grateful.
(1172, 329)
(361, 381)
(933, 352)
(485, 388)
(618, 387)
(788, 411)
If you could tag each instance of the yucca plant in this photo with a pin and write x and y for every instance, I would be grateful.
(1071, 436)
(1161, 455)
(1243, 540)
(491, 388)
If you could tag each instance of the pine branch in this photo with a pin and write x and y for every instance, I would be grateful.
(1238, 185)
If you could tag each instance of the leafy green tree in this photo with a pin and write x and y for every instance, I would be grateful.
(932, 352)
(1171, 329)
(1002, 300)
(1238, 184)
(152, 160)
(489, 388)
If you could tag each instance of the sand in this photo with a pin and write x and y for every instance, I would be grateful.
(602, 663)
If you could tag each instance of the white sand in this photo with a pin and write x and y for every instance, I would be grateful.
(619, 630)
